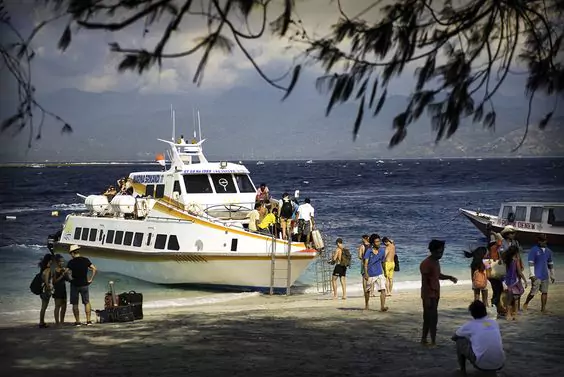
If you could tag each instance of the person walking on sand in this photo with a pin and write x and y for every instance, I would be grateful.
(508, 239)
(431, 274)
(389, 264)
(361, 250)
(374, 274)
(479, 341)
(512, 280)
(541, 268)
(340, 270)
(79, 267)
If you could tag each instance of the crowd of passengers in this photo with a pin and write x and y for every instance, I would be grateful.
(285, 219)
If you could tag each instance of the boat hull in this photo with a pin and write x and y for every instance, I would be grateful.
(525, 237)
(240, 272)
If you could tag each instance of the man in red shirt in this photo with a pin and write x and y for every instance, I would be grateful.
(431, 289)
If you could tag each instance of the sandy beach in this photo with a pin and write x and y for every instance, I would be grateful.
(283, 336)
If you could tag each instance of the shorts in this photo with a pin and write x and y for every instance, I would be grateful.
(45, 296)
(304, 227)
(340, 271)
(537, 285)
(464, 348)
(285, 223)
(389, 269)
(84, 294)
(377, 283)
(478, 290)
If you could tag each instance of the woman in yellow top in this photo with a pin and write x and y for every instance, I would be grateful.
(268, 220)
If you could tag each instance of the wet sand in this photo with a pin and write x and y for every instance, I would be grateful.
(283, 336)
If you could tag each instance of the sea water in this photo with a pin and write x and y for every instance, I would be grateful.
(410, 201)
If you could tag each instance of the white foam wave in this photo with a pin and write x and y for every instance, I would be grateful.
(194, 301)
(60, 207)
(22, 246)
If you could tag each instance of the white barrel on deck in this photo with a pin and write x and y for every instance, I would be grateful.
(123, 204)
(97, 204)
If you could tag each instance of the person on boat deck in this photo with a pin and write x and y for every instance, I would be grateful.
(268, 223)
(110, 192)
(306, 214)
(286, 207)
(254, 218)
(263, 194)
(479, 341)
(541, 270)
(181, 140)
(508, 235)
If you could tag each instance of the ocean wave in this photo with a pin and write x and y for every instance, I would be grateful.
(59, 207)
(193, 301)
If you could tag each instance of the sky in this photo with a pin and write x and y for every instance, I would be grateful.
(119, 116)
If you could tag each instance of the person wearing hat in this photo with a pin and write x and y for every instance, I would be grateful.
(79, 267)
(431, 274)
(541, 270)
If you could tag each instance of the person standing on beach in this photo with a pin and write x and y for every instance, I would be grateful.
(494, 253)
(508, 239)
(479, 341)
(46, 287)
(374, 274)
(79, 267)
(431, 274)
(361, 250)
(541, 268)
(389, 264)
(60, 294)
(340, 270)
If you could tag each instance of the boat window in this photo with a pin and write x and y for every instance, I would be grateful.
(159, 191)
(506, 211)
(223, 183)
(101, 233)
(110, 236)
(556, 216)
(149, 190)
(93, 234)
(84, 235)
(244, 183)
(77, 232)
(138, 239)
(119, 237)
(536, 215)
(149, 237)
(520, 213)
(128, 238)
(176, 187)
(160, 241)
(173, 243)
(197, 184)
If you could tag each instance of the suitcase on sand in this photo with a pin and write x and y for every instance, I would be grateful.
(133, 299)
(116, 314)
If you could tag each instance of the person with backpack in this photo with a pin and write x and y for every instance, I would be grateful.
(286, 210)
(479, 275)
(46, 288)
(342, 259)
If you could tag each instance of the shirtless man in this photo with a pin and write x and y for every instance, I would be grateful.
(389, 264)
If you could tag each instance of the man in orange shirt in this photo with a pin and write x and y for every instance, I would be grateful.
(431, 274)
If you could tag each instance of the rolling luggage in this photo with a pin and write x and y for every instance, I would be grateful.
(133, 299)
(116, 314)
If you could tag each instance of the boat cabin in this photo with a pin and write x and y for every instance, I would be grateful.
(529, 215)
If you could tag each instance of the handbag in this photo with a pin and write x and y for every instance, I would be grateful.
(517, 288)
(496, 269)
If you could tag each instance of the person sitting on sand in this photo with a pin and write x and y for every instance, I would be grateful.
(340, 270)
(374, 273)
(541, 269)
(361, 250)
(479, 341)
(389, 264)
(431, 274)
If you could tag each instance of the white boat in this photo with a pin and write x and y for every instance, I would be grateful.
(528, 218)
(260, 163)
(185, 225)
(309, 162)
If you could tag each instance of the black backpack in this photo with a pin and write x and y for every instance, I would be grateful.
(36, 286)
(287, 209)
(396, 263)
(346, 258)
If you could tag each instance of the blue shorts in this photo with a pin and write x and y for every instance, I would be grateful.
(84, 294)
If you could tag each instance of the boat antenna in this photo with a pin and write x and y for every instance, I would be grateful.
(173, 117)
(199, 126)
(194, 122)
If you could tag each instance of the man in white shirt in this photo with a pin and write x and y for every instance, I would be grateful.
(479, 341)
(306, 214)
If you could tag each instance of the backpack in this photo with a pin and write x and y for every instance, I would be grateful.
(396, 263)
(36, 286)
(287, 209)
(346, 258)
(479, 280)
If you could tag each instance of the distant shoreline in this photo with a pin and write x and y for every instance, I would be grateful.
(38, 164)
